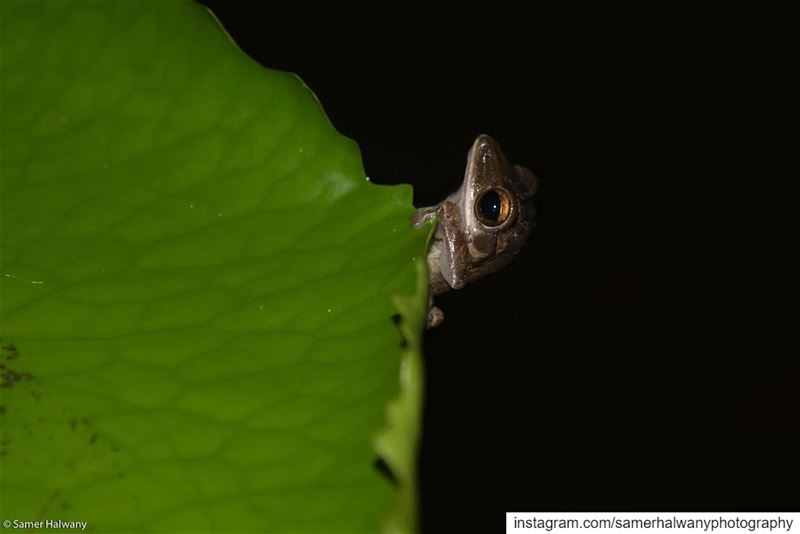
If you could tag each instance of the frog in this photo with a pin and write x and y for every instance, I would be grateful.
(481, 226)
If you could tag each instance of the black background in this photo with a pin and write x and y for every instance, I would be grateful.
(639, 354)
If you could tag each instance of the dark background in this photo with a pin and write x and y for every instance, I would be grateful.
(639, 354)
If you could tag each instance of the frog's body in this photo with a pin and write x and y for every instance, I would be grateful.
(481, 225)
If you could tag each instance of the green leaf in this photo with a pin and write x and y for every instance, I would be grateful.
(197, 287)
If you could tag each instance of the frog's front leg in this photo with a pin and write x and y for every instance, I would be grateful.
(455, 260)
(448, 257)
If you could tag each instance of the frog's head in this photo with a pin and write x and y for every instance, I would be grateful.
(496, 204)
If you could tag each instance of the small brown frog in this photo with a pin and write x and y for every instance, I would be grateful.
(482, 225)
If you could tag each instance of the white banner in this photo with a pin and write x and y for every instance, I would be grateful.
(652, 522)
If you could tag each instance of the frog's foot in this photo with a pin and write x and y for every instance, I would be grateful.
(424, 215)
(435, 317)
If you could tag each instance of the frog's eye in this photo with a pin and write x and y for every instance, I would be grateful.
(493, 207)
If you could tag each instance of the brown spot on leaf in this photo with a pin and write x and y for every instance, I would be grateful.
(9, 351)
(9, 378)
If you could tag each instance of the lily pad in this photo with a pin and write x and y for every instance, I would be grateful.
(197, 287)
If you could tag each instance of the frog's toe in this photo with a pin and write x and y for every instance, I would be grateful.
(424, 215)
(435, 317)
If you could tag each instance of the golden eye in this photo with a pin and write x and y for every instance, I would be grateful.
(493, 207)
